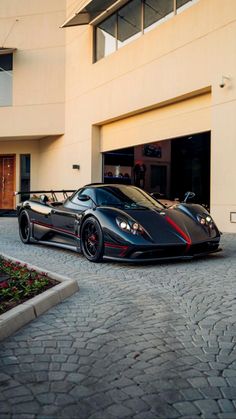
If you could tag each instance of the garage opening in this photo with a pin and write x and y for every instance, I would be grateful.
(168, 168)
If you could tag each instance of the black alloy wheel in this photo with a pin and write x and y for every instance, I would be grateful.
(92, 240)
(24, 227)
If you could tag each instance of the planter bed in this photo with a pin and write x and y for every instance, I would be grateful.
(26, 292)
(19, 283)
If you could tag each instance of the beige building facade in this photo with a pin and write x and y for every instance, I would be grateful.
(87, 81)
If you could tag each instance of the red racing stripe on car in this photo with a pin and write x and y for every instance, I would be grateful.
(42, 224)
(180, 231)
(117, 246)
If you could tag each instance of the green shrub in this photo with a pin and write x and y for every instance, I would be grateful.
(20, 283)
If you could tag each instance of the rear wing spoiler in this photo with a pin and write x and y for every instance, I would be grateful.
(53, 193)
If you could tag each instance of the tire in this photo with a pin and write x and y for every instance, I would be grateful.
(24, 227)
(92, 242)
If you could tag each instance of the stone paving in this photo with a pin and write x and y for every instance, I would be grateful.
(138, 341)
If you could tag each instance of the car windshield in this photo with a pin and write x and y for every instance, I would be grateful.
(128, 197)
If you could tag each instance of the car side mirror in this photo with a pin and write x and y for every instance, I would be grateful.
(188, 195)
(83, 198)
(44, 199)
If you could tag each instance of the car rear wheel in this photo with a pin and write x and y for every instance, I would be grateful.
(92, 243)
(24, 227)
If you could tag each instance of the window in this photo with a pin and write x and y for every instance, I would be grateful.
(156, 12)
(85, 191)
(6, 61)
(126, 197)
(129, 22)
(25, 175)
(106, 37)
(183, 4)
(133, 20)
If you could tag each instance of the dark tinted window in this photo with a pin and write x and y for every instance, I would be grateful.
(132, 20)
(106, 37)
(25, 175)
(85, 191)
(129, 22)
(125, 197)
(6, 62)
(157, 10)
(6, 84)
(181, 4)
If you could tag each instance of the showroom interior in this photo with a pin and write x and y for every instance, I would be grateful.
(168, 168)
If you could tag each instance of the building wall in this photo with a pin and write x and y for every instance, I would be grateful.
(180, 59)
(32, 27)
(163, 85)
(38, 110)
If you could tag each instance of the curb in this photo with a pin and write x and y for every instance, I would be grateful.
(14, 319)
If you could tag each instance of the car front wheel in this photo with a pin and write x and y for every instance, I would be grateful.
(24, 227)
(92, 243)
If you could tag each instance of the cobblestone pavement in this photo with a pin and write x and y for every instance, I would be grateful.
(142, 342)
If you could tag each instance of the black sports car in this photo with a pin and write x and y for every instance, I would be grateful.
(119, 222)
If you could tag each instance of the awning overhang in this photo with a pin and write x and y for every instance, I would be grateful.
(5, 51)
(93, 11)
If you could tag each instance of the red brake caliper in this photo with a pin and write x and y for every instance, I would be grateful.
(92, 239)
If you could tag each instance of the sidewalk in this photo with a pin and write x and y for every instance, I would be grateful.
(143, 342)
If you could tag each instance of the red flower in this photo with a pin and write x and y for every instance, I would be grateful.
(30, 282)
(4, 284)
(7, 264)
(14, 289)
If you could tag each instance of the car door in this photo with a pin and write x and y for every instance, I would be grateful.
(66, 218)
(40, 215)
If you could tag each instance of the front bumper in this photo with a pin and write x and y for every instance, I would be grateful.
(162, 253)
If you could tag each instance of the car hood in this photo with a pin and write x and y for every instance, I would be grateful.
(171, 226)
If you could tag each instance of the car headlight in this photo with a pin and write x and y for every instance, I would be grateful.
(129, 226)
(206, 220)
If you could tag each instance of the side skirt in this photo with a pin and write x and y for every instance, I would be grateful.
(62, 246)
